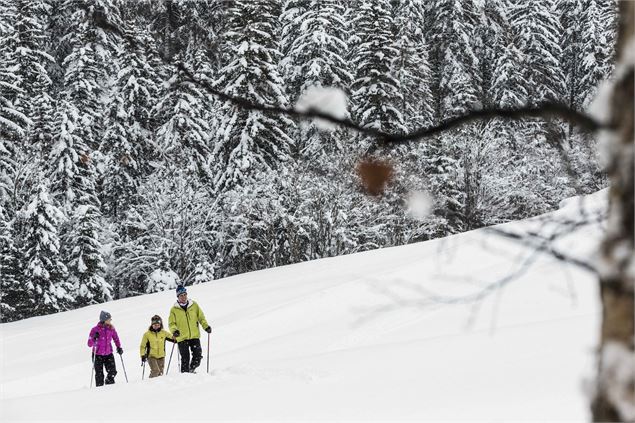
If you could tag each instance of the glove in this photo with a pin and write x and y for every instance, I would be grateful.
(96, 336)
(208, 329)
(119, 350)
(176, 333)
(143, 358)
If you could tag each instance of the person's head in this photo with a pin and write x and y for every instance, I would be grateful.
(105, 317)
(156, 324)
(181, 294)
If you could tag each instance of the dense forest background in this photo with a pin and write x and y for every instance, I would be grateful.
(120, 176)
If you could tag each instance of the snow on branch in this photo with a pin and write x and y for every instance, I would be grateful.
(546, 110)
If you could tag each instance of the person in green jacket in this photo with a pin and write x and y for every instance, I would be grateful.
(152, 346)
(185, 316)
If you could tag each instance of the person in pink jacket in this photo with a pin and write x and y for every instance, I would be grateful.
(100, 340)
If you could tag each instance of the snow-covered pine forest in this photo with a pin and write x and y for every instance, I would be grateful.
(119, 176)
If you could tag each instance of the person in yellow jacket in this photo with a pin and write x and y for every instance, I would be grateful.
(152, 346)
(185, 316)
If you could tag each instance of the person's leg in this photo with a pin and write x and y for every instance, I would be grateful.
(99, 370)
(111, 368)
(197, 353)
(154, 367)
(185, 356)
(161, 364)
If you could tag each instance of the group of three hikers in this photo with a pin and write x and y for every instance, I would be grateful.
(185, 316)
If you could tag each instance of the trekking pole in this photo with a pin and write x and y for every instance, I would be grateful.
(143, 362)
(178, 358)
(124, 367)
(208, 337)
(92, 369)
(170, 360)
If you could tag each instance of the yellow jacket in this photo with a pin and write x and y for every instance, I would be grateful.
(154, 342)
(186, 322)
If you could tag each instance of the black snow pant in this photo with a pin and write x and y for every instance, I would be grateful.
(197, 354)
(105, 362)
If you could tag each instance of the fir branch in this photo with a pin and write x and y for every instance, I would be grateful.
(546, 110)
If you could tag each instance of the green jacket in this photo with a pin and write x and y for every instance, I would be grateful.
(154, 342)
(187, 322)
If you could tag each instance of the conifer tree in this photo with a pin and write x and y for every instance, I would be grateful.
(538, 31)
(412, 66)
(458, 82)
(376, 95)
(248, 142)
(314, 54)
(184, 131)
(85, 262)
(129, 137)
(72, 171)
(32, 61)
(45, 289)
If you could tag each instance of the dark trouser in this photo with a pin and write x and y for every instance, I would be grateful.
(197, 354)
(105, 362)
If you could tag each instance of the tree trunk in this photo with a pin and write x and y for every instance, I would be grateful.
(614, 396)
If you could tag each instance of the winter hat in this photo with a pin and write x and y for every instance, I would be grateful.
(180, 290)
(104, 315)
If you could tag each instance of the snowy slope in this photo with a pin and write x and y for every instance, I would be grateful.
(353, 337)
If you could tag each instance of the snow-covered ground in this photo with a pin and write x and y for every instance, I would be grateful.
(381, 335)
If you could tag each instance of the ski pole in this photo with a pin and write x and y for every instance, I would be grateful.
(92, 369)
(170, 360)
(208, 337)
(178, 359)
(124, 367)
(143, 362)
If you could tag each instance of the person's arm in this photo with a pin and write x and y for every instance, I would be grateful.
(144, 343)
(168, 336)
(201, 317)
(91, 337)
(116, 338)
(172, 321)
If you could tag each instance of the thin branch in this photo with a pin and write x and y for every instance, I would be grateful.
(547, 110)
(544, 246)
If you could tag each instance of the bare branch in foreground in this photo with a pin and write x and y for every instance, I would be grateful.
(546, 111)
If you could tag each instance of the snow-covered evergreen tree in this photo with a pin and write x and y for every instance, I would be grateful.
(184, 131)
(376, 95)
(458, 77)
(129, 137)
(412, 64)
(72, 171)
(314, 46)
(598, 21)
(314, 50)
(85, 262)
(249, 142)
(10, 282)
(90, 64)
(538, 32)
(45, 288)
(31, 62)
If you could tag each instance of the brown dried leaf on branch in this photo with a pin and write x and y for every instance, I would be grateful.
(375, 174)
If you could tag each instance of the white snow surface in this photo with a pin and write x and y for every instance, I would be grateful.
(355, 337)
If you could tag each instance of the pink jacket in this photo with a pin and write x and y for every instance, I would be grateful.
(107, 334)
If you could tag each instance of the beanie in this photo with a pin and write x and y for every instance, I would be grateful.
(104, 315)
(180, 290)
